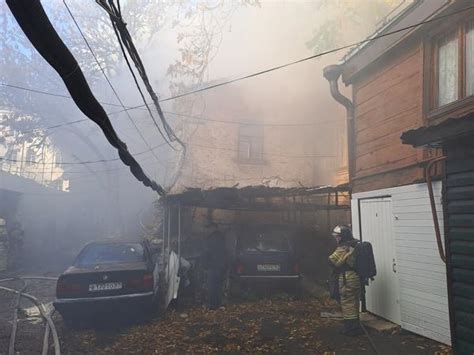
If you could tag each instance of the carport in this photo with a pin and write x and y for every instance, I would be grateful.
(187, 215)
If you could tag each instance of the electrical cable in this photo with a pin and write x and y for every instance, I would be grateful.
(314, 56)
(125, 40)
(259, 124)
(78, 163)
(35, 24)
(354, 44)
(300, 124)
(371, 39)
(107, 78)
(291, 63)
(136, 82)
(263, 153)
(160, 145)
(36, 91)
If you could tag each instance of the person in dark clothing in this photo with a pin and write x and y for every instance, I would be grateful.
(216, 261)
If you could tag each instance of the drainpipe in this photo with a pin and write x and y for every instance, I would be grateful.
(332, 74)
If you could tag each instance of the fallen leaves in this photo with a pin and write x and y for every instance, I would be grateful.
(264, 326)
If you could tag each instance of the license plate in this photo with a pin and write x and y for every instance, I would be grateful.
(268, 267)
(105, 286)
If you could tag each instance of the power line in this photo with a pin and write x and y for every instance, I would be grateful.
(36, 91)
(354, 44)
(33, 21)
(156, 147)
(77, 163)
(263, 153)
(321, 54)
(300, 124)
(201, 118)
(107, 79)
(257, 73)
(39, 171)
(125, 42)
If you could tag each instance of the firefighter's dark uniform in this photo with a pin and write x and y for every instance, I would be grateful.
(343, 258)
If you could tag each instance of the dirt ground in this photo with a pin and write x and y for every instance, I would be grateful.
(277, 325)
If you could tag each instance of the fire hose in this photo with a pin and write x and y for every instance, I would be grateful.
(11, 345)
(44, 314)
(49, 328)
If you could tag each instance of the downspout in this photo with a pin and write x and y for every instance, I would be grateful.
(332, 74)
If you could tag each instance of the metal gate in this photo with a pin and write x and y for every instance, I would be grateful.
(459, 197)
(376, 226)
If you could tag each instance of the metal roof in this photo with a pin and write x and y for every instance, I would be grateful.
(257, 197)
(435, 135)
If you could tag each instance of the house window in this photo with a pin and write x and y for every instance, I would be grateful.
(448, 69)
(453, 63)
(251, 143)
(470, 59)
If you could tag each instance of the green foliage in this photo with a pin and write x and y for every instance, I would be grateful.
(198, 25)
(347, 21)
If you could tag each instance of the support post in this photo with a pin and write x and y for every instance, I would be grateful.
(164, 236)
(179, 232)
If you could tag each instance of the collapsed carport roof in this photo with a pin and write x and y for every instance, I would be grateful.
(435, 135)
(262, 198)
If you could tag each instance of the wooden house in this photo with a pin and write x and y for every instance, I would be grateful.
(416, 71)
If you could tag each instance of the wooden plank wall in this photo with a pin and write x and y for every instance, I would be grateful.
(388, 101)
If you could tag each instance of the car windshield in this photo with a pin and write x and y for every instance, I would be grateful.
(111, 253)
(264, 241)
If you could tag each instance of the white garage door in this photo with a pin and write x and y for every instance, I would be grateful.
(382, 294)
(421, 275)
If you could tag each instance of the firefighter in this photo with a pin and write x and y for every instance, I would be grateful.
(215, 259)
(343, 261)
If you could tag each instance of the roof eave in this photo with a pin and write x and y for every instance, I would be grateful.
(372, 50)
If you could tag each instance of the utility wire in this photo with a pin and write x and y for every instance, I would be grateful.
(263, 153)
(259, 124)
(36, 91)
(77, 163)
(354, 44)
(121, 44)
(107, 79)
(156, 147)
(201, 118)
(126, 42)
(321, 54)
(257, 73)
(40, 171)
(370, 39)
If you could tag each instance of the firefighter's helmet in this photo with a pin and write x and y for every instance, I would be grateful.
(344, 232)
